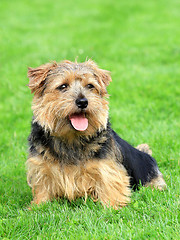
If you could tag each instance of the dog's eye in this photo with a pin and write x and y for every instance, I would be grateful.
(90, 86)
(62, 87)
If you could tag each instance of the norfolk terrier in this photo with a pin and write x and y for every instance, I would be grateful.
(73, 151)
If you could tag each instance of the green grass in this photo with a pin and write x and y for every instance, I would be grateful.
(139, 42)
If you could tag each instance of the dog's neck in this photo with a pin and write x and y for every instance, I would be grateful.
(92, 147)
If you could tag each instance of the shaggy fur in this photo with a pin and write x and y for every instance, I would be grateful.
(66, 162)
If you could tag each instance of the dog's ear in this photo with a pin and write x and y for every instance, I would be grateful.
(103, 76)
(37, 76)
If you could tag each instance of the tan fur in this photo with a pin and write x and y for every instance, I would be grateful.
(53, 177)
(38, 75)
(157, 183)
(144, 148)
(51, 109)
(103, 180)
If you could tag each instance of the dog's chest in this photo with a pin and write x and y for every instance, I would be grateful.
(73, 154)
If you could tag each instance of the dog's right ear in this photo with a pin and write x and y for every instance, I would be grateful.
(37, 76)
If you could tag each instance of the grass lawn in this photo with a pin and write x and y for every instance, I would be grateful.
(139, 42)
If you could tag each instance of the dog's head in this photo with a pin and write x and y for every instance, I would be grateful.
(70, 98)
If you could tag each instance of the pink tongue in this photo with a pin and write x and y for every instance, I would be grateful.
(79, 122)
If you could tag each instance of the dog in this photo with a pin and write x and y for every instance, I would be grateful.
(73, 151)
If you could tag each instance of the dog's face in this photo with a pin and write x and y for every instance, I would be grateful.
(69, 98)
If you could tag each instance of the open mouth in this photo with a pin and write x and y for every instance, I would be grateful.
(79, 121)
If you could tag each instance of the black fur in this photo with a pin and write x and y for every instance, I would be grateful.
(70, 154)
(141, 167)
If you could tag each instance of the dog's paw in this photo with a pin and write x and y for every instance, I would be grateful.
(158, 182)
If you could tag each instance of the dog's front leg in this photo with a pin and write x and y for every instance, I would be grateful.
(41, 178)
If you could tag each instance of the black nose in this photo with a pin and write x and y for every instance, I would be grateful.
(82, 102)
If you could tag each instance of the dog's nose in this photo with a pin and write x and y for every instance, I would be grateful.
(82, 102)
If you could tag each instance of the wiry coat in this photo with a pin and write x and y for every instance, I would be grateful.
(96, 162)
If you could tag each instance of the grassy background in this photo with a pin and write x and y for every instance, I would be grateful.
(139, 42)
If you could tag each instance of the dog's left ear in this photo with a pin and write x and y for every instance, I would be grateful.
(103, 76)
(104, 79)
(37, 76)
